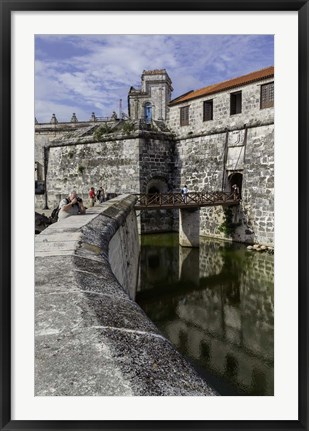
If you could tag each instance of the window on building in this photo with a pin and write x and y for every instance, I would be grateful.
(236, 103)
(184, 116)
(208, 110)
(267, 95)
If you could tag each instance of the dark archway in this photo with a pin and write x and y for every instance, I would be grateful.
(153, 190)
(157, 185)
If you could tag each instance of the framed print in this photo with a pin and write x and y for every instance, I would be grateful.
(162, 282)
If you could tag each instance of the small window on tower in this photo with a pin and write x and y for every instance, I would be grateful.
(208, 110)
(184, 116)
(267, 95)
(236, 103)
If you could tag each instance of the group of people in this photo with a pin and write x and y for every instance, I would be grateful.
(73, 204)
(96, 196)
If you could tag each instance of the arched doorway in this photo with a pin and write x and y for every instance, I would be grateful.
(153, 190)
(156, 220)
(235, 179)
(148, 112)
(157, 185)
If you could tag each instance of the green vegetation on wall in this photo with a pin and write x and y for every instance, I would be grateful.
(228, 227)
(102, 130)
(128, 127)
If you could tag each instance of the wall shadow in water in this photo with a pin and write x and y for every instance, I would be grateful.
(216, 305)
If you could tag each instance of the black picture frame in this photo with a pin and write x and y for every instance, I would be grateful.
(7, 7)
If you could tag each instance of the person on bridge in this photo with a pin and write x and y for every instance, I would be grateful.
(72, 205)
(184, 192)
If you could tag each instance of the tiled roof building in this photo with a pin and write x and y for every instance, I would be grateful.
(226, 85)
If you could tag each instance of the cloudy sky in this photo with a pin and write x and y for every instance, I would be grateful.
(91, 73)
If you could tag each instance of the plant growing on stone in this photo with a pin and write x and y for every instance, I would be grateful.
(128, 127)
(101, 131)
(70, 154)
(228, 227)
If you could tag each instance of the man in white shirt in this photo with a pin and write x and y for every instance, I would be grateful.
(184, 192)
(72, 205)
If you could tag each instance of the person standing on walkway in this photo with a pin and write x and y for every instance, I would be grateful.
(92, 196)
(101, 195)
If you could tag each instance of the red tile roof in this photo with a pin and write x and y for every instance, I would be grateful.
(226, 85)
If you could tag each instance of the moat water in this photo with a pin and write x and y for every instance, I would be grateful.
(216, 305)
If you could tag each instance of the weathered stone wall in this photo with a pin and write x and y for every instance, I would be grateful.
(123, 249)
(258, 188)
(112, 164)
(91, 339)
(200, 162)
(157, 161)
(45, 134)
(205, 162)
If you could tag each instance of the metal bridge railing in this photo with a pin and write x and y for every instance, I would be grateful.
(179, 200)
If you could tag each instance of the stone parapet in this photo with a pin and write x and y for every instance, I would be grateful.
(91, 338)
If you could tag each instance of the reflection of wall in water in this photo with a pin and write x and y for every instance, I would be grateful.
(189, 264)
(232, 326)
(258, 302)
(248, 372)
(158, 264)
(211, 261)
(158, 221)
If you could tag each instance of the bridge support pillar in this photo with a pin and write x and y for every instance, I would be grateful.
(189, 227)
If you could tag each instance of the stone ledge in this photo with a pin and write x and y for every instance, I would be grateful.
(91, 338)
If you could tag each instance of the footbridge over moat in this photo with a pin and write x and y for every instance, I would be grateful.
(190, 200)
(188, 205)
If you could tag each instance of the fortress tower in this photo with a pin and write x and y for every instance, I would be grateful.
(150, 101)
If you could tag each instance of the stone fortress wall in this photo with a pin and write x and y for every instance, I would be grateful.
(163, 155)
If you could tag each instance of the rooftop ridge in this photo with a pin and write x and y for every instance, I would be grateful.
(224, 85)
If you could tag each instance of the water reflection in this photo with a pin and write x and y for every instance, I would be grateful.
(216, 305)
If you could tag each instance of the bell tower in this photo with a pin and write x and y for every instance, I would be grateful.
(150, 101)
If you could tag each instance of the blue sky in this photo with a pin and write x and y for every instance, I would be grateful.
(90, 73)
